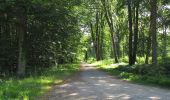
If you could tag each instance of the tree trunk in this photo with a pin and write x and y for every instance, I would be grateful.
(22, 32)
(135, 32)
(93, 38)
(97, 36)
(153, 30)
(130, 33)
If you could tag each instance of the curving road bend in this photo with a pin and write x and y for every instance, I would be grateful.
(92, 84)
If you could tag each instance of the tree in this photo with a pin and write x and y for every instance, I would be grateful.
(37, 33)
(135, 44)
(108, 15)
(153, 28)
(97, 34)
(130, 32)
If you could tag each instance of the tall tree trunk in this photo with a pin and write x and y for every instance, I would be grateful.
(130, 32)
(93, 39)
(135, 32)
(22, 32)
(153, 30)
(97, 36)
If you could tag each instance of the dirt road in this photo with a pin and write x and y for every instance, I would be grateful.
(92, 84)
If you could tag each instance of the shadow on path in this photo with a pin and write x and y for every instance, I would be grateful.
(92, 84)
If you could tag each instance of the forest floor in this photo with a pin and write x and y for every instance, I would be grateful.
(93, 84)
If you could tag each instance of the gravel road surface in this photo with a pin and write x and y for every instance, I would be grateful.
(92, 84)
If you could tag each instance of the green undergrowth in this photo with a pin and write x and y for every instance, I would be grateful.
(31, 88)
(144, 74)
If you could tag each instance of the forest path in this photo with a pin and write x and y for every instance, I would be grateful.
(93, 84)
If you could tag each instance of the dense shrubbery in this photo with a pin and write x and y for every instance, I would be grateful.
(144, 69)
(144, 73)
(163, 68)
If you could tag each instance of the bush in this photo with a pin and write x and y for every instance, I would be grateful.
(125, 59)
(164, 81)
(143, 69)
(144, 73)
(165, 63)
(140, 60)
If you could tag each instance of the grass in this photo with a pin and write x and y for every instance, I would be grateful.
(33, 87)
(144, 74)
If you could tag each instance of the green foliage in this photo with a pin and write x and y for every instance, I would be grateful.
(104, 62)
(32, 87)
(164, 81)
(125, 59)
(52, 33)
(146, 74)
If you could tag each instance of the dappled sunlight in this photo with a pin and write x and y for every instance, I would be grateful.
(34, 86)
(73, 94)
(155, 98)
(45, 81)
(110, 98)
(60, 91)
(113, 65)
(46, 87)
(88, 65)
(121, 96)
(68, 44)
(102, 81)
(65, 85)
(98, 77)
(58, 81)
(112, 85)
(97, 84)
(126, 98)
(118, 64)
(92, 77)
(93, 84)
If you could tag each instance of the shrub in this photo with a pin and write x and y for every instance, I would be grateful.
(125, 59)
(164, 81)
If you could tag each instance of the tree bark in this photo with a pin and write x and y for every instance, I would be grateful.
(153, 30)
(135, 44)
(22, 32)
(93, 39)
(97, 36)
(130, 33)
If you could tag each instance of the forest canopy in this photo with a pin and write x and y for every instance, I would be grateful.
(41, 33)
